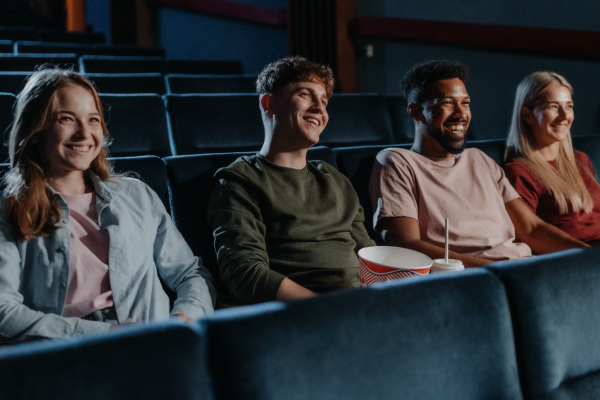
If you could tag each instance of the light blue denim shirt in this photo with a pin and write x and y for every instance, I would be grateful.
(144, 244)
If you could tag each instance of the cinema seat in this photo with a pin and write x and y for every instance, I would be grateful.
(161, 360)
(215, 123)
(357, 163)
(148, 82)
(24, 47)
(357, 119)
(202, 66)
(29, 62)
(555, 310)
(186, 83)
(590, 145)
(6, 46)
(149, 169)
(121, 64)
(137, 123)
(441, 337)
(7, 101)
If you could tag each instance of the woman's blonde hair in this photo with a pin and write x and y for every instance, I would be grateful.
(31, 206)
(564, 182)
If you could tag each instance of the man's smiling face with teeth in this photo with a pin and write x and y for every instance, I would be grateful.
(447, 114)
(300, 111)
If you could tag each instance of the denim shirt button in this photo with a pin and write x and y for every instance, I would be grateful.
(63, 284)
(60, 249)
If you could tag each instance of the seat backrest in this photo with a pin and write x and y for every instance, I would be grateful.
(590, 145)
(154, 361)
(402, 125)
(7, 101)
(137, 123)
(185, 83)
(6, 46)
(215, 123)
(149, 169)
(357, 119)
(128, 50)
(441, 337)
(19, 33)
(120, 64)
(494, 148)
(22, 46)
(28, 62)
(64, 36)
(554, 302)
(357, 163)
(200, 66)
(148, 82)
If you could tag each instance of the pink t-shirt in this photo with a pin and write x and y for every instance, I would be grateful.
(89, 285)
(470, 189)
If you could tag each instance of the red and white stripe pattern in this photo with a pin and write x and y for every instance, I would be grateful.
(369, 277)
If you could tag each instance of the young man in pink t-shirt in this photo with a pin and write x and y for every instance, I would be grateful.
(413, 191)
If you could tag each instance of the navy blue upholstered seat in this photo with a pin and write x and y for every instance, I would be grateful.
(64, 36)
(440, 337)
(137, 123)
(128, 50)
(18, 33)
(147, 82)
(494, 148)
(29, 62)
(215, 123)
(24, 47)
(201, 66)
(120, 64)
(402, 125)
(7, 101)
(6, 46)
(357, 119)
(590, 145)
(357, 163)
(156, 361)
(149, 169)
(186, 83)
(555, 307)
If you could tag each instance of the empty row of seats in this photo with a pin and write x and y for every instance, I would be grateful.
(119, 64)
(28, 47)
(149, 82)
(516, 330)
(176, 124)
(32, 33)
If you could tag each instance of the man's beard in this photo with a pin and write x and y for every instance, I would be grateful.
(451, 145)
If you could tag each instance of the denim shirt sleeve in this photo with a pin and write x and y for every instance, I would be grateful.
(18, 321)
(182, 271)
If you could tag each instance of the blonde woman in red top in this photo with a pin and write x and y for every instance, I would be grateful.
(557, 182)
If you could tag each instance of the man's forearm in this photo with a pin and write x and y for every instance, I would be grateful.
(290, 290)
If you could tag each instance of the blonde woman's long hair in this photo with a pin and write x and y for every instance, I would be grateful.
(564, 182)
(30, 204)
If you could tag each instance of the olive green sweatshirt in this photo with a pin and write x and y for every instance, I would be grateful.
(271, 222)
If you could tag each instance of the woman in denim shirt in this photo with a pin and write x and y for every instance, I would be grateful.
(81, 250)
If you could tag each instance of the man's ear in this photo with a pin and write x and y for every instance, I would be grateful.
(526, 114)
(415, 111)
(266, 103)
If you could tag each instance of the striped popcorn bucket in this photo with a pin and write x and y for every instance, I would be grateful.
(386, 263)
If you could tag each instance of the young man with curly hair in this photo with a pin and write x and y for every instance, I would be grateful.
(413, 191)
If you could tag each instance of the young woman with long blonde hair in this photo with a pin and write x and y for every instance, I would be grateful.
(557, 182)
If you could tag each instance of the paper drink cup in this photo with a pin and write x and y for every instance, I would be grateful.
(386, 263)
(440, 265)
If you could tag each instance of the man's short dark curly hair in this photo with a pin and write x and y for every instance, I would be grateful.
(293, 69)
(416, 82)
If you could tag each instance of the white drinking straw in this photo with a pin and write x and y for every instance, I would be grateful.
(446, 249)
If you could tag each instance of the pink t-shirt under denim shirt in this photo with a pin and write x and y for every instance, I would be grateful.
(89, 285)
